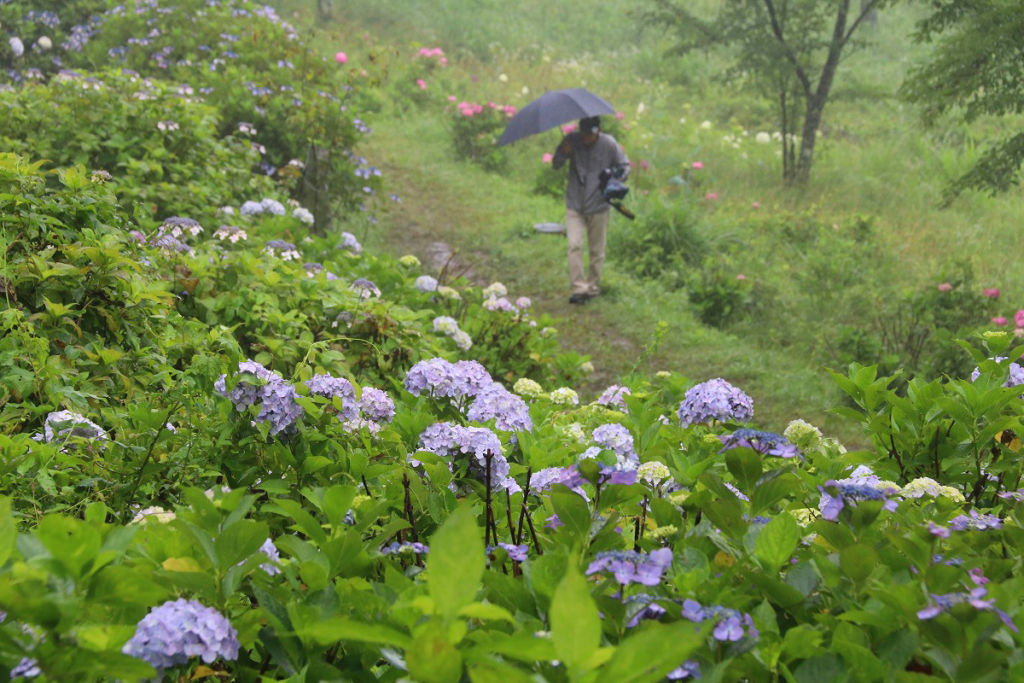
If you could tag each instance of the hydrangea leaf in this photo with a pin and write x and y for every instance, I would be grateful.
(575, 623)
(777, 541)
(456, 562)
(651, 654)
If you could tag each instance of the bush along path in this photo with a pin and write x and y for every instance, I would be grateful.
(235, 447)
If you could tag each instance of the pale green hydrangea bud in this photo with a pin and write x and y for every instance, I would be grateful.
(448, 293)
(527, 388)
(409, 261)
(663, 374)
(574, 432)
(664, 531)
(803, 435)
(587, 367)
(564, 396)
(804, 516)
(924, 485)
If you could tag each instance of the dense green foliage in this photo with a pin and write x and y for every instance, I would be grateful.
(206, 395)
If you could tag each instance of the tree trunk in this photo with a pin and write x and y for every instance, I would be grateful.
(816, 101)
(314, 193)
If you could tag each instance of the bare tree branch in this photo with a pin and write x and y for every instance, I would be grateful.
(777, 30)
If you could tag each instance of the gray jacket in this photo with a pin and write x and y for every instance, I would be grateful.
(583, 192)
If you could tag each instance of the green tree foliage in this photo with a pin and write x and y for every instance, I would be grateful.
(790, 48)
(975, 71)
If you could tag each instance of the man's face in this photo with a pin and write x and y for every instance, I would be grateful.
(588, 138)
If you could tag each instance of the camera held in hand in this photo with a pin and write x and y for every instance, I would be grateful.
(614, 190)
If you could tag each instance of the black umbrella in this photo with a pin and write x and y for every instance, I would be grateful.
(553, 109)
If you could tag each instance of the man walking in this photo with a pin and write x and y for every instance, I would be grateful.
(589, 151)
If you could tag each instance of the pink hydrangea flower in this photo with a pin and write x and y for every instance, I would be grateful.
(451, 98)
(991, 292)
(341, 57)
(619, 115)
(711, 195)
(644, 165)
(421, 83)
(546, 159)
(568, 128)
(945, 287)
(756, 205)
(741, 276)
(697, 165)
(1018, 318)
(999, 320)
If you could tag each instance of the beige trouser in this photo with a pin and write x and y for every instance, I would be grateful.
(594, 228)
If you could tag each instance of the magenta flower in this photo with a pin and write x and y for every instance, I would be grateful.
(741, 276)
(645, 165)
(421, 83)
(697, 165)
(451, 98)
(1018, 318)
(619, 116)
(999, 320)
(991, 292)
(568, 128)
(341, 57)
(546, 159)
(756, 205)
(711, 195)
(945, 287)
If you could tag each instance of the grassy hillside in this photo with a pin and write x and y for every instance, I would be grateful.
(877, 165)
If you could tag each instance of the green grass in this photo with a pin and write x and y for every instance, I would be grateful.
(873, 158)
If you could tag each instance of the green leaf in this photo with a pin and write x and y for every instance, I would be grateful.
(575, 623)
(772, 491)
(431, 657)
(745, 466)
(8, 531)
(652, 653)
(572, 510)
(777, 542)
(486, 612)
(858, 561)
(456, 562)
(334, 630)
(240, 541)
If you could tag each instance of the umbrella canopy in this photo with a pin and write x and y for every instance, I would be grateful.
(553, 109)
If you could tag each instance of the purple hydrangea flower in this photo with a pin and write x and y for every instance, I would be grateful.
(246, 392)
(831, 504)
(975, 521)
(270, 550)
(614, 397)
(640, 607)
(975, 598)
(566, 476)
(616, 438)
(176, 631)
(377, 405)
(438, 438)
(471, 378)
(350, 243)
(364, 288)
(499, 304)
(1016, 377)
(509, 412)
(629, 566)
(279, 406)
(688, 669)
(1013, 495)
(715, 399)
(765, 443)
(314, 269)
(617, 474)
(438, 378)
(730, 624)
(336, 387)
(404, 548)
(516, 553)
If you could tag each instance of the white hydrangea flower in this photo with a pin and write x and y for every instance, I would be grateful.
(152, 514)
(17, 47)
(653, 472)
(574, 432)
(803, 435)
(446, 325)
(44, 43)
(924, 485)
(462, 340)
(564, 396)
(587, 367)
(304, 215)
(494, 290)
(663, 374)
(273, 206)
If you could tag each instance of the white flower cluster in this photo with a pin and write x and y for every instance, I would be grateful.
(450, 327)
(564, 396)
(425, 283)
(304, 215)
(527, 388)
(923, 485)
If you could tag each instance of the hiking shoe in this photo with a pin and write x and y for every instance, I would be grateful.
(578, 298)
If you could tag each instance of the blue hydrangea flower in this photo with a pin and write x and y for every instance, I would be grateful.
(688, 669)
(730, 624)
(765, 443)
(335, 387)
(974, 598)
(376, 405)
(1016, 377)
(715, 399)
(176, 631)
(438, 438)
(630, 566)
(516, 553)
(350, 243)
(509, 412)
(270, 550)
(641, 607)
(616, 438)
(405, 548)
(566, 476)
(975, 521)
(364, 288)
(247, 391)
(617, 474)
(831, 504)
